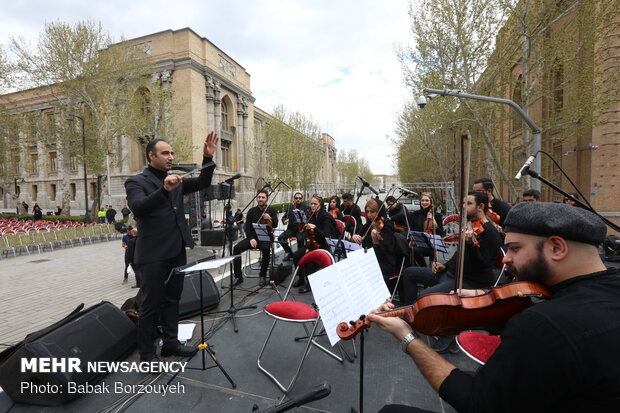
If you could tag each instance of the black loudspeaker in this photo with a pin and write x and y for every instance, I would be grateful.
(189, 304)
(212, 237)
(101, 333)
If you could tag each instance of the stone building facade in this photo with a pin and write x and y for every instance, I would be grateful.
(212, 91)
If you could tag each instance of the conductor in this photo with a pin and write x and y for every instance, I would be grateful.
(156, 199)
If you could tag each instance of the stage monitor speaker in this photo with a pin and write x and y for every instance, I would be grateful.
(212, 237)
(189, 304)
(98, 334)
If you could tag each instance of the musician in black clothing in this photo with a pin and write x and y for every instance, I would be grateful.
(381, 240)
(497, 205)
(478, 266)
(397, 213)
(291, 229)
(320, 226)
(255, 214)
(419, 220)
(353, 210)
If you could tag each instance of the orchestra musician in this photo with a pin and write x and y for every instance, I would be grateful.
(425, 219)
(291, 226)
(378, 233)
(531, 195)
(321, 225)
(496, 205)
(352, 210)
(397, 213)
(560, 355)
(334, 208)
(260, 213)
(481, 251)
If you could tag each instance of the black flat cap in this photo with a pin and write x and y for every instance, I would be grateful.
(549, 218)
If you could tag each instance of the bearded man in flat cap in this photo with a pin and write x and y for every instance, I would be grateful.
(561, 355)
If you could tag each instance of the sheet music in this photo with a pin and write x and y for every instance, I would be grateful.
(348, 289)
(348, 246)
(210, 264)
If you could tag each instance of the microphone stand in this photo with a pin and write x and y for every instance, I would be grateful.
(536, 175)
(232, 310)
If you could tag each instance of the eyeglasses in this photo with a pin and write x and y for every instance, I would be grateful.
(298, 197)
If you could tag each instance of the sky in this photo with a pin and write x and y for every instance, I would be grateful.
(332, 60)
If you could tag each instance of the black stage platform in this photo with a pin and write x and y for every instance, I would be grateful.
(390, 376)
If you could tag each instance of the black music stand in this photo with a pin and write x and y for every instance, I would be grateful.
(204, 346)
(232, 310)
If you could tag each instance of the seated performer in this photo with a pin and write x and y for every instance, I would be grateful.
(257, 214)
(481, 251)
(352, 210)
(320, 226)
(423, 220)
(291, 226)
(334, 208)
(378, 233)
(397, 213)
(563, 352)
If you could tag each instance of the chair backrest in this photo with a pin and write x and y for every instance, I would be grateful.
(340, 226)
(320, 257)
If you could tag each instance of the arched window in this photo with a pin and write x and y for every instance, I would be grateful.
(225, 125)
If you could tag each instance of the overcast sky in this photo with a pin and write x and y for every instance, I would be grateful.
(333, 60)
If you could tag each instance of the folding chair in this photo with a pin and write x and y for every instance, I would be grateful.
(298, 313)
(478, 346)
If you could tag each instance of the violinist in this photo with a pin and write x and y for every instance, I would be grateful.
(257, 214)
(291, 226)
(481, 251)
(352, 210)
(378, 233)
(560, 355)
(320, 226)
(334, 208)
(426, 219)
(497, 206)
(397, 213)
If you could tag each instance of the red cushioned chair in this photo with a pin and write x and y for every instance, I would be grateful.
(298, 313)
(478, 346)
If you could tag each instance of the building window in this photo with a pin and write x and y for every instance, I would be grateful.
(517, 97)
(225, 125)
(34, 164)
(53, 192)
(50, 124)
(35, 192)
(558, 87)
(226, 154)
(53, 162)
(93, 190)
(72, 191)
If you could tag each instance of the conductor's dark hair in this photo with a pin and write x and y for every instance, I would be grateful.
(150, 147)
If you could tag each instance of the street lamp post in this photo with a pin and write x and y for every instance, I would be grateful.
(536, 131)
(70, 119)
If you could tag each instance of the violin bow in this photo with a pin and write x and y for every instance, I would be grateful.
(465, 165)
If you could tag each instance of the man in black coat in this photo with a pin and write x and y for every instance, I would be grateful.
(353, 210)
(156, 200)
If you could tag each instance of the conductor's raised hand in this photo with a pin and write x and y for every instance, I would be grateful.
(210, 144)
(172, 181)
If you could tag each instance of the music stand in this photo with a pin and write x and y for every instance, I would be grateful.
(431, 241)
(204, 346)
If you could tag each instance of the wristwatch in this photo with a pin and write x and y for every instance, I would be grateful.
(408, 339)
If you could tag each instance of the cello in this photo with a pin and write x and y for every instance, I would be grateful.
(442, 314)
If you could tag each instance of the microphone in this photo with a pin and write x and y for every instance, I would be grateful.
(407, 192)
(367, 184)
(317, 393)
(232, 178)
(525, 167)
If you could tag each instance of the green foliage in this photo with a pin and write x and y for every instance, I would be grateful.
(61, 218)
(350, 165)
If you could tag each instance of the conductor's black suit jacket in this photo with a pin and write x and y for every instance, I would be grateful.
(160, 215)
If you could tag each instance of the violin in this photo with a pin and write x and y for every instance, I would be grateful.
(334, 213)
(429, 224)
(477, 228)
(428, 314)
(493, 215)
(313, 244)
(269, 222)
(378, 223)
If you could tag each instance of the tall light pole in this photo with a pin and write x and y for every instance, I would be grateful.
(70, 119)
(536, 131)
